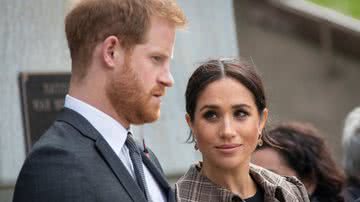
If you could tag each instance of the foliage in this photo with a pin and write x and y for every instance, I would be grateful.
(347, 7)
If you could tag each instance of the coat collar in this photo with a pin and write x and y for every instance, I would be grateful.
(276, 188)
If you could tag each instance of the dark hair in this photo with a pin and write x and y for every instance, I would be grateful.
(216, 69)
(92, 21)
(306, 152)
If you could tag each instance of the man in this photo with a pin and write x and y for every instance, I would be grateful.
(351, 155)
(120, 51)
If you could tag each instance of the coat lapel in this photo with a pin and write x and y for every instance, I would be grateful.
(86, 129)
(119, 170)
(159, 177)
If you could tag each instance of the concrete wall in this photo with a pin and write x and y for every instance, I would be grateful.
(33, 40)
(303, 83)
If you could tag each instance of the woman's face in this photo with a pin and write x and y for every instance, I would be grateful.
(226, 124)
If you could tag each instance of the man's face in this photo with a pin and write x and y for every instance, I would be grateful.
(136, 90)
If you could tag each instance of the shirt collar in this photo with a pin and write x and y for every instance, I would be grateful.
(112, 131)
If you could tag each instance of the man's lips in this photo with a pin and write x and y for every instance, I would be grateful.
(158, 96)
(158, 93)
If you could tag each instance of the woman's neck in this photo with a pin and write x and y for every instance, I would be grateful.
(237, 180)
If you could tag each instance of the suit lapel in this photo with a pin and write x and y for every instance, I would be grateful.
(119, 169)
(159, 177)
(86, 129)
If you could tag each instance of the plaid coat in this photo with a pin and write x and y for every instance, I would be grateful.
(194, 187)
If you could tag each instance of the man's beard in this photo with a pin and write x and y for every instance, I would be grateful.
(129, 98)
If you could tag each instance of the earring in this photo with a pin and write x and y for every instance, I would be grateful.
(260, 142)
(196, 146)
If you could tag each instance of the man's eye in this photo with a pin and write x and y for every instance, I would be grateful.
(210, 115)
(156, 58)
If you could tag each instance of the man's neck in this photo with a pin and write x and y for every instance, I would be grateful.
(98, 100)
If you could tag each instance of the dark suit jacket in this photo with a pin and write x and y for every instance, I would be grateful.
(351, 191)
(73, 162)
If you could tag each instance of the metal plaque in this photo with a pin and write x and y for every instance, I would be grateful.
(42, 97)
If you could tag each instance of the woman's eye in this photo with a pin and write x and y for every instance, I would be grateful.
(210, 115)
(240, 114)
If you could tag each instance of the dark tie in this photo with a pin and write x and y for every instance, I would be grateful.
(136, 159)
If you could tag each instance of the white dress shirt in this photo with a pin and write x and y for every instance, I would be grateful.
(115, 135)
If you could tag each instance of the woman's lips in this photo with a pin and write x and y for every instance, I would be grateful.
(228, 148)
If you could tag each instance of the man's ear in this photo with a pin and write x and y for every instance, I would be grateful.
(112, 51)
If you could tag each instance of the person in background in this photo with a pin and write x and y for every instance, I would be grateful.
(120, 53)
(297, 149)
(351, 152)
(226, 111)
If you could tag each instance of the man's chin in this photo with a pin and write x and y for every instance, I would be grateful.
(147, 118)
(153, 117)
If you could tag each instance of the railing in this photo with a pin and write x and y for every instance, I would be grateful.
(320, 14)
(335, 30)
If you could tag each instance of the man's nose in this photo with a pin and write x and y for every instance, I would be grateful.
(166, 77)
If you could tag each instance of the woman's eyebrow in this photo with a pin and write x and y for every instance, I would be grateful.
(209, 107)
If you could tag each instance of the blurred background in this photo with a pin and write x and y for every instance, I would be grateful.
(308, 53)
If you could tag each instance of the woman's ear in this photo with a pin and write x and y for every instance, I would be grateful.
(188, 120)
(263, 119)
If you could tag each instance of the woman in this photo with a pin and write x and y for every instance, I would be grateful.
(226, 111)
(297, 149)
